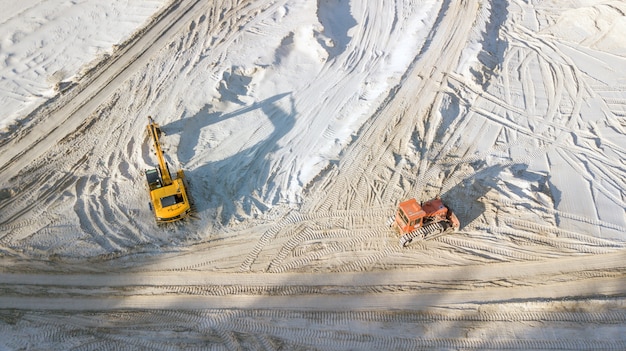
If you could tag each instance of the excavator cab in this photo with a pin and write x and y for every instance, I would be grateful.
(154, 178)
(170, 203)
(168, 197)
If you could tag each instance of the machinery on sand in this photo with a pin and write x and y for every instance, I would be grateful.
(415, 221)
(168, 197)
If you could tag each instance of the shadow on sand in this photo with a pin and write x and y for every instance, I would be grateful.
(238, 185)
(465, 197)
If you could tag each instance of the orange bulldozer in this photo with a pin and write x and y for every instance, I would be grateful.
(415, 221)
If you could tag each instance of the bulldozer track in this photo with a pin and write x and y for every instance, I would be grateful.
(340, 340)
(334, 247)
(421, 317)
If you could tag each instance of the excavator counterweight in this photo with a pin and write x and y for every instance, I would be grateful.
(168, 197)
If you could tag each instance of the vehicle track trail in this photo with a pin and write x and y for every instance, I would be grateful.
(274, 329)
(395, 122)
(326, 273)
(92, 158)
(98, 87)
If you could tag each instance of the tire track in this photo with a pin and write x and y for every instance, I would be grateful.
(394, 126)
(561, 233)
(258, 321)
(300, 218)
(493, 251)
(542, 240)
(531, 206)
(328, 329)
(90, 96)
(94, 205)
(331, 289)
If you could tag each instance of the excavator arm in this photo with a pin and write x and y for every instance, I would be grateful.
(155, 132)
(168, 196)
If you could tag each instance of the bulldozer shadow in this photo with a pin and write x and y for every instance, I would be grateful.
(466, 198)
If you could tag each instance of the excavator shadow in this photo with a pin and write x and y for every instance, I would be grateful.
(232, 186)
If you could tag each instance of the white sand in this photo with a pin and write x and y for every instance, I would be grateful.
(300, 125)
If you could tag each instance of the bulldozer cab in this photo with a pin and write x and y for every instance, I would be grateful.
(409, 216)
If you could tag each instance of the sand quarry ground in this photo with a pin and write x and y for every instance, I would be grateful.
(300, 125)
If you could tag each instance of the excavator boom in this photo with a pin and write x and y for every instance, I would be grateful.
(155, 133)
(168, 197)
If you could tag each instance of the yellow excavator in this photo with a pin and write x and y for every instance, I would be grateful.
(168, 196)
